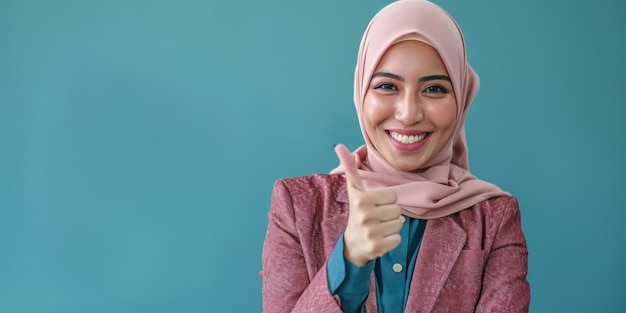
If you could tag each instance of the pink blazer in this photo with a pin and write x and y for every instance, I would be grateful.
(473, 261)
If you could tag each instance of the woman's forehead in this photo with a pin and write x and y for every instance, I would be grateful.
(411, 55)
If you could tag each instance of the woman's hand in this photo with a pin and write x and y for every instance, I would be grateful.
(374, 217)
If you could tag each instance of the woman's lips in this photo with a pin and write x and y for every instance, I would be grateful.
(407, 140)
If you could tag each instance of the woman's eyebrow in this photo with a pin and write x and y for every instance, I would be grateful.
(434, 77)
(388, 75)
(422, 79)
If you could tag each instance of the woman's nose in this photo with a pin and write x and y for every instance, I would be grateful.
(409, 110)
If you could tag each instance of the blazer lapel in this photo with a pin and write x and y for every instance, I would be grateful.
(441, 245)
(342, 192)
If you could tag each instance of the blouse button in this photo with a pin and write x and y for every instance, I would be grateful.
(397, 267)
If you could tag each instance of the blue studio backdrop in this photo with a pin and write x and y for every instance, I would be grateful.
(139, 141)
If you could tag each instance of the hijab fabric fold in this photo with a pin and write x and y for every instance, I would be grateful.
(444, 185)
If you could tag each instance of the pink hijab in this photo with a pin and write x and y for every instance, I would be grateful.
(444, 186)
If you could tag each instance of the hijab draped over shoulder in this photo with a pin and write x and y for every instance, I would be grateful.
(444, 185)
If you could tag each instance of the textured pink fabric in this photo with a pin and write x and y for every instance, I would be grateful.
(472, 261)
(445, 184)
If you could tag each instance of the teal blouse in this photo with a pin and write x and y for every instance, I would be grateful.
(392, 273)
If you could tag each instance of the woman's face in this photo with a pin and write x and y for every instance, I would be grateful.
(409, 110)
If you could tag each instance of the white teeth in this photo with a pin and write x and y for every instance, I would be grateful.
(407, 139)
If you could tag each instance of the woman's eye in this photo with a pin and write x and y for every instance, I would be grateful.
(436, 89)
(386, 86)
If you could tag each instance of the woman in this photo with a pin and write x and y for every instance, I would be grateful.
(401, 225)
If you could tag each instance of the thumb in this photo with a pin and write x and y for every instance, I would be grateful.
(346, 160)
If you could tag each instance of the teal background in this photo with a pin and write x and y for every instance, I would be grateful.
(139, 141)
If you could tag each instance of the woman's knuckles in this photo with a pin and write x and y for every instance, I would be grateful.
(360, 201)
(384, 196)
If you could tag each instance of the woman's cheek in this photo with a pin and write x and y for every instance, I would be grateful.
(377, 112)
(442, 114)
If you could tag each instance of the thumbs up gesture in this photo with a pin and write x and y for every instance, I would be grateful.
(374, 218)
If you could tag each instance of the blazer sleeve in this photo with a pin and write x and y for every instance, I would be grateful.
(504, 284)
(287, 284)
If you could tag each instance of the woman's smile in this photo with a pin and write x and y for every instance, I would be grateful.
(406, 141)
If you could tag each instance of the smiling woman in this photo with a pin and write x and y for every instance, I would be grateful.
(140, 140)
(401, 225)
(409, 112)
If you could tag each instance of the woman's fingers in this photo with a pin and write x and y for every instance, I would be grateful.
(346, 160)
(380, 197)
(374, 217)
(387, 212)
